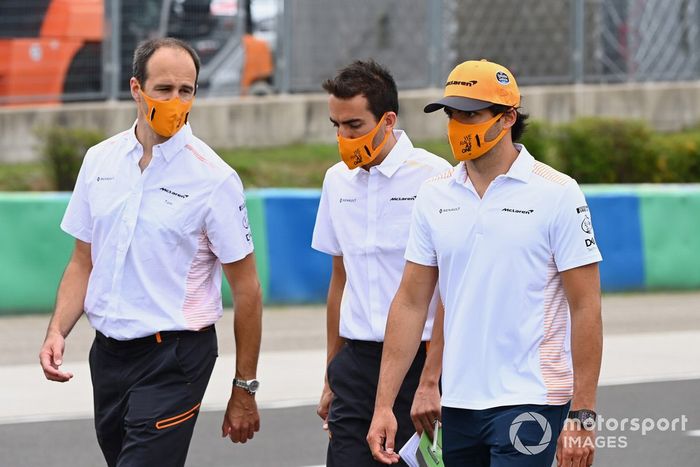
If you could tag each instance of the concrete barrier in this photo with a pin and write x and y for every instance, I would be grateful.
(286, 119)
(648, 235)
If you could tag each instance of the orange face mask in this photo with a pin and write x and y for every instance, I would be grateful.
(358, 151)
(167, 117)
(468, 140)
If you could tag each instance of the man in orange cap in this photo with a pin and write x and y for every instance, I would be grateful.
(511, 243)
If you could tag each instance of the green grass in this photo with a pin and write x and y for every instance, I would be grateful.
(294, 166)
(25, 177)
(300, 166)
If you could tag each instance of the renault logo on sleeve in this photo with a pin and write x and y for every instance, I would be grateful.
(546, 433)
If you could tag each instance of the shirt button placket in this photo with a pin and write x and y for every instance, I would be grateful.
(126, 230)
(371, 246)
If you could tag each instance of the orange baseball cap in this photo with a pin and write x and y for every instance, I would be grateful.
(478, 84)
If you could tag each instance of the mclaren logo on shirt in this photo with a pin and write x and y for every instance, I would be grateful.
(404, 198)
(179, 195)
(518, 211)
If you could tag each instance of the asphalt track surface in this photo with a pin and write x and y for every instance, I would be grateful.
(293, 436)
(637, 327)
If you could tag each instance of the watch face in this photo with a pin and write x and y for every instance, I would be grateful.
(588, 422)
(253, 385)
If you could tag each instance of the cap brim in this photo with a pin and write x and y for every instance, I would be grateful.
(464, 104)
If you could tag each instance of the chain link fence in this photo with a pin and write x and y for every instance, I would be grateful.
(67, 50)
(321, 36)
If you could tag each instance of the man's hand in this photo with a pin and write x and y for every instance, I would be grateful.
(51, 357)
(324, 405)
(426, 408)
(576, 446)
(69, 307)
(241, 419)
(381, 435)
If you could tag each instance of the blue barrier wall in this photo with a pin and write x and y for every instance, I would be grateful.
(648, 237)
(619, 236)
(298, 274)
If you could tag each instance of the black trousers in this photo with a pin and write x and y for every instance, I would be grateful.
(147, 394)
(353, 375)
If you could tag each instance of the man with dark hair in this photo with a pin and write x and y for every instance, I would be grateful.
(156, 214)
(143, 53)
(363, 222)
(511, 243)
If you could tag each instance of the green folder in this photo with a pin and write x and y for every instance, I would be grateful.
(426, 455)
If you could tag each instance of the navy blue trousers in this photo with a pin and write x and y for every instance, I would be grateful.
(510, 436)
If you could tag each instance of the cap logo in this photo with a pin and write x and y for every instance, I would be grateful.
(502, 78)
(461, 83)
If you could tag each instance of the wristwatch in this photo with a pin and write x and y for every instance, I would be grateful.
(250, 385)
(586, 417)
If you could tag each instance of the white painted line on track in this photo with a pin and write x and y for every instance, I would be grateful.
(295, 378)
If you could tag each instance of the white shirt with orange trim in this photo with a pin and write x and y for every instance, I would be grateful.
(507, 325)
(364, 216)
(158, 238)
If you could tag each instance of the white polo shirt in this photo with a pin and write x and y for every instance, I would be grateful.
(507, 327)
(364, 216)
(157, 237)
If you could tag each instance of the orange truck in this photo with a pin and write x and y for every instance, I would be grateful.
(43, 38)
(51, 50)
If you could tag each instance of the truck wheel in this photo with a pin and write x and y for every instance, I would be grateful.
(260, 88)
(84, 74)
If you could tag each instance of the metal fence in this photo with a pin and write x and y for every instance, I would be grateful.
(67, 50)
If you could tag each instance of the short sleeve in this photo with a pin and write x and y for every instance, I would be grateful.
(77, 220)
(571, 233)
(420, 248)
(227, 223)
(324, 238)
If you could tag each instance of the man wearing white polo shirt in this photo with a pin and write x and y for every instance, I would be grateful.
(363, 221)
(511, 243)
(156, 214)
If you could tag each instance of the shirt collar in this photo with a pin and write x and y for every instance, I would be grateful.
(521, 169)
(168, 148)
(396, 157)
(522, 166)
